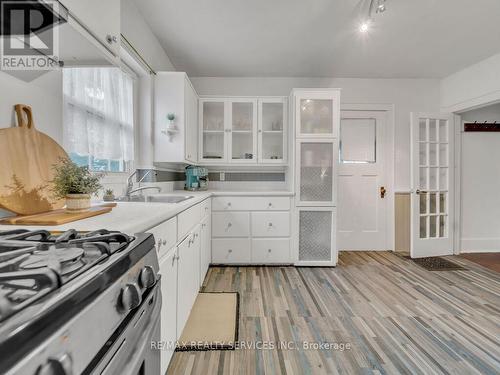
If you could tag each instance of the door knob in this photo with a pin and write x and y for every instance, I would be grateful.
(382, 192)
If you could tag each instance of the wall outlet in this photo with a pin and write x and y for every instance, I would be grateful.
(222, 176)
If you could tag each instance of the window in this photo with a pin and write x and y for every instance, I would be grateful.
(98, 118)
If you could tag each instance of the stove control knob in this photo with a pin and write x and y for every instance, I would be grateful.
(61, 365)
(130, 297)
(147, 277)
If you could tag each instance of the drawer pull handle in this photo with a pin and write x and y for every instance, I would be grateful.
(269, 250)
(229, 225)
(230, 251)
(228, 204)
(270, 204)
(164, 242)
(270, 225)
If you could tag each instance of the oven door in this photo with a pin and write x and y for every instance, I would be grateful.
(132, 352)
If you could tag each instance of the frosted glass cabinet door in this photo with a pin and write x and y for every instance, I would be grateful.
(316, 232)
(315, 172)
(213, 131)
(272, 130)
(243, 145)
(317, 115)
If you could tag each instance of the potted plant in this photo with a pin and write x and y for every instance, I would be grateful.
(75, 184)
(108, 196)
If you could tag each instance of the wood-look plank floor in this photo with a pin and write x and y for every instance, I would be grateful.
(397, 318)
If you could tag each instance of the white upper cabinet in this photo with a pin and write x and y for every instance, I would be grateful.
(105, 27)
(242, 130)
(175, 141)
(213, 130)
(317, 114)
(272, 139)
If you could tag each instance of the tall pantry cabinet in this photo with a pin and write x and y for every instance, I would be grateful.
(316, 116)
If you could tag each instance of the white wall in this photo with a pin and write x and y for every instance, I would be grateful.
(475, 85)
(481, 184)
(139, 34)
(406, 94)
(44, 95)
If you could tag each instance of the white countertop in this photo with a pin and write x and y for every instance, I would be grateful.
(134, 217)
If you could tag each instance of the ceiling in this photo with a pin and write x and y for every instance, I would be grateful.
(321, 38)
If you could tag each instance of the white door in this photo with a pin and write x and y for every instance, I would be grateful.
(432, 164)
(272, 126)
(362, 203)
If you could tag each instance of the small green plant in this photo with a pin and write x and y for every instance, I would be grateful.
(108, 192)
(171, 117)
(69, 178)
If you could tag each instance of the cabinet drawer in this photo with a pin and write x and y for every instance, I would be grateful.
(231, 250)
(276, 250)
(230, 224)
(187, 220)
(206, 206)
(165, 236)
(270, 224)
(251, 203)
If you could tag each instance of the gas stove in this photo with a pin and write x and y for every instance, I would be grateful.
(34, 263)
(53, 287)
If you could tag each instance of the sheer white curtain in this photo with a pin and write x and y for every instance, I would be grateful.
(98, 113)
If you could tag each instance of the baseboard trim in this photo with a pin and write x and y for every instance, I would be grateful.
(480, 245)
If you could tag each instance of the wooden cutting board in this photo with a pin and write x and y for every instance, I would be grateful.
(58, 217)
(26, 160)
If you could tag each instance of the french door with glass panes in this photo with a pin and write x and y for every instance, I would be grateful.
(432, 162)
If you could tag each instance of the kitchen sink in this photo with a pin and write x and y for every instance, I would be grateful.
(168, 198)
(157, 198)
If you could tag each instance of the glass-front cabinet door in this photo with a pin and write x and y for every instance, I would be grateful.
(272, 130)
(315, 172)
(213, 130)
(243, 130)
(317, 114)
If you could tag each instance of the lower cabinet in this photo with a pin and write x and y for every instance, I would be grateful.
(188, 283)
(231, 250)
(168, 271)
(251, 230)
(182, 270)
(206, 247)
(271, 250)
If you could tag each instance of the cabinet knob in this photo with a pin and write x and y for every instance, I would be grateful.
(164, 242)
(269, 204)
(111, 39)
(269, 250)
(270, 225)
(230, 251)
(260, 130)
(229, 225)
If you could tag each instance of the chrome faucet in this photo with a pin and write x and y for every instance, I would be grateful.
(130, 184)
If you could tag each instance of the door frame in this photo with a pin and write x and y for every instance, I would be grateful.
(389, 164)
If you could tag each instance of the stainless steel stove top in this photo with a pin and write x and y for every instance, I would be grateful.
(34, 263)
(54, 286)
